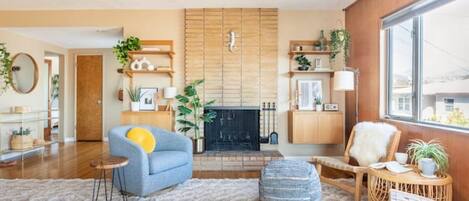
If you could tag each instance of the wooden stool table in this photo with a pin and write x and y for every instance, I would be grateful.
(380, 182)
(115, 164)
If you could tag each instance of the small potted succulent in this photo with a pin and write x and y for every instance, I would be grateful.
(318, 103)
(317, 46)
(21, 139)
(135, 96)
(303, 62)
(430, 156)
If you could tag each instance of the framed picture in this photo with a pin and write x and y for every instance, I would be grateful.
(331, 107)
(148, 100)
(308, 90)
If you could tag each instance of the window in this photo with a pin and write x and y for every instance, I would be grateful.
(427, 63)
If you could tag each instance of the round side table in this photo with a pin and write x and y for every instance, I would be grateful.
(380, 182)
(114, 164)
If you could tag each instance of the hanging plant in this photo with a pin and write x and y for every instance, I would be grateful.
(122, 48)
(340, 42)
(5, 63)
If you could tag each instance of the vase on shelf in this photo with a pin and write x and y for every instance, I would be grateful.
(303, 68)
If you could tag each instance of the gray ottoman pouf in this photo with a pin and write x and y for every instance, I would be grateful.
(289, 180)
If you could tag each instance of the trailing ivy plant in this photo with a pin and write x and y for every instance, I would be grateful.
(122, 48)
(340, 42)
(190, 105)
(5, 63)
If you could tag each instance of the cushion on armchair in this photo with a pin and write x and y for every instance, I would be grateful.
(143, 137)
(161, 161)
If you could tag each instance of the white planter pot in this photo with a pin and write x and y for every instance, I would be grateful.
(319, 107)
(134, 106)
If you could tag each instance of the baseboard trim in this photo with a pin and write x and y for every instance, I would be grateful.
(69, 139)
(299, 158)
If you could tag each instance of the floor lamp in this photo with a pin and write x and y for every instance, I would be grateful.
(347, 80)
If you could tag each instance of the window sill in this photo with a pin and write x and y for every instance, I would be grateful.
(425, 125)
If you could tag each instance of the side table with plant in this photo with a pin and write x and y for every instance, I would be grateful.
(430, 156)
(303, 62)
(191, 114)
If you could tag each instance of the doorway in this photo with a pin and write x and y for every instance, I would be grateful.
(89, 85)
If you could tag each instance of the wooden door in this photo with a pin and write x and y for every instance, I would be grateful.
(89, 97)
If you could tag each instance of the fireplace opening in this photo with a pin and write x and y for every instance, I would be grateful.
(234, 128)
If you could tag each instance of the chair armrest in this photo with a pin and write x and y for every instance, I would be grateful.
(170, 141)
(119, 145)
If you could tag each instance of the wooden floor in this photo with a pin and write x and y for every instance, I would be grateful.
(68, 161)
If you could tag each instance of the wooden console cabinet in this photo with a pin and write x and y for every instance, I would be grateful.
(159, 119)
(310, 127)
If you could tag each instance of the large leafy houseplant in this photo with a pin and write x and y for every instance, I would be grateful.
(190, 105)
(5, 63)
(122, 48)
(340, 42)
(419, 149)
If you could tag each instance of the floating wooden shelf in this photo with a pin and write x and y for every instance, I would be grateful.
(168, 71)
(293, 53)
(323, 70)
(145, 52)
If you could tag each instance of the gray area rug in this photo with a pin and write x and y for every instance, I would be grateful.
(192, 190)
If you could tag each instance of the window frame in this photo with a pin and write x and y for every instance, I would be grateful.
(417, 78)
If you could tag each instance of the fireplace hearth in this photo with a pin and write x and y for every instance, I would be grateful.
(234, 128)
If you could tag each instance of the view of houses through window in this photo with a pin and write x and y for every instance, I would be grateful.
(433, 47)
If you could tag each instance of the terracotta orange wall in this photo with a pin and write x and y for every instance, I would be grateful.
(363, 21)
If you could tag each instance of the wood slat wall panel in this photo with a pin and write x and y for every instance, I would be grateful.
(245, 77)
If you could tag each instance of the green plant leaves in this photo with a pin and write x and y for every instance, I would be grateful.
(5, 64)
(182, 99)
(419, 149)
(302, 60)
(122, 48)
(190, 91)
(184, 110)
(135, 94)
(340, 41)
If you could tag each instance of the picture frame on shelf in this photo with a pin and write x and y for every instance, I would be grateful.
(308, 91)
(333, 107)
(148, 100)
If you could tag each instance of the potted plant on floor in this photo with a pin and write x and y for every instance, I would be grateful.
(134, 96)
(430, 156)
(21, 139)
(191, 114)
(303, 62)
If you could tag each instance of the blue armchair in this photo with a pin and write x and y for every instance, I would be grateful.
(169, 164)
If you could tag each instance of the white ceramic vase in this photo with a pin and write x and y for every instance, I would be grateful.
(134, 106)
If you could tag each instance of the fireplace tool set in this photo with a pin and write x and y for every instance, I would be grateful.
(268, 136)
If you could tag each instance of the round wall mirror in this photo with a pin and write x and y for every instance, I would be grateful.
(23, 73)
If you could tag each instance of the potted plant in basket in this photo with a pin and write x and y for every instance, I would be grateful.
(21, 139)
(303, 62)
(191, 113)
(135, 96)
(430, 156)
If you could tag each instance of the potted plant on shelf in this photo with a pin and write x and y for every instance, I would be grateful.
(191, 113)
(135, 96)
(122, 48)
(340, 42)
(317, 46)
(430, 156)
(303, 62)
(318, 103)
(21, 139)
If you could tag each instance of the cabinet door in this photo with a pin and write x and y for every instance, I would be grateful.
(330, 129)
(305, 125)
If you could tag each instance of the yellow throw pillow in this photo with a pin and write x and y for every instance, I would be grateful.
(143, 137)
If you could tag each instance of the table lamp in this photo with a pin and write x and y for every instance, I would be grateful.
(169, 93)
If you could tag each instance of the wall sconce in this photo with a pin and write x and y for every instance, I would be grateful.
(232, 41)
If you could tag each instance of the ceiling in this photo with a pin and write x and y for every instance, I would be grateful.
(73, 37)
(170, 4)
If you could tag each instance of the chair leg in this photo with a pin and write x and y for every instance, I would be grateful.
(358, 186)
(319, 169)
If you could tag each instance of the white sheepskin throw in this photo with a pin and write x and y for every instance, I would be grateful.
(371, 142)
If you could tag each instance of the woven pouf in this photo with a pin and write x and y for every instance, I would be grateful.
(289, 180)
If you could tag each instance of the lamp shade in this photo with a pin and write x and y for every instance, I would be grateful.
(344, 81)
(170, 92)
